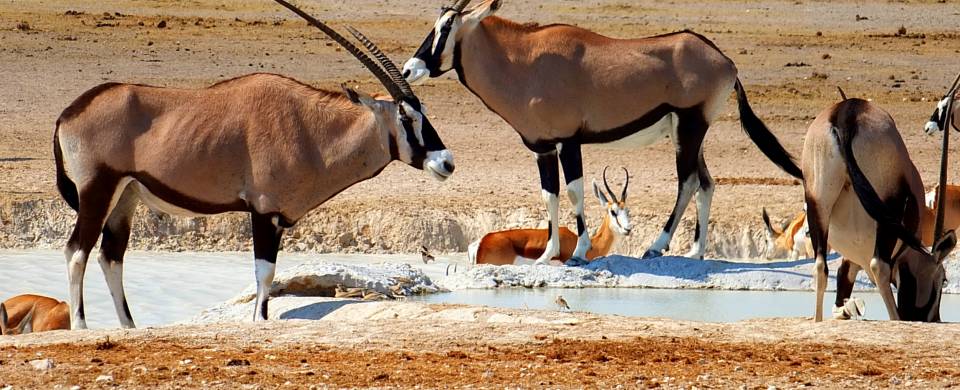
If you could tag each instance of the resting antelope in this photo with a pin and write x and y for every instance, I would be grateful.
(33, 313)
(561, 87)
(871, 214)
(521, 246)
(263, 144)
(788, 241)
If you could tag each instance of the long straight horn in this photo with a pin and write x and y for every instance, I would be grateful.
(626, 183)
(607, 185)
(953, 89)
(384, 78)
(385, 61)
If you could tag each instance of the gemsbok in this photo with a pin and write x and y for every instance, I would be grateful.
(561, 87)
(523, 246)
(29, 313)
(946, 105)
(263, 144)
(872, 213)
(788, 241)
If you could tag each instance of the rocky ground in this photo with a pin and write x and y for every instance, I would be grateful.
(395, 344)
(791, 56)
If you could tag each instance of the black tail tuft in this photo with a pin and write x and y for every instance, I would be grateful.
(68, 190)
(763, 138)
(867, 195)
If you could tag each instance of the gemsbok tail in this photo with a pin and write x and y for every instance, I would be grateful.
(762, 137)
(67, 188)
(867, 195)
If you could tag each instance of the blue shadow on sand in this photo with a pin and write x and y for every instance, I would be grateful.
(316, 311)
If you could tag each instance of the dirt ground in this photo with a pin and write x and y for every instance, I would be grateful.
(527, 349)
(791, 54)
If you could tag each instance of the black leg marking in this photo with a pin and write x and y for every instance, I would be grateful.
(691, 129)
(571, 158)
(549, 172)
(581, 226)
(266, 243)
(846, 278)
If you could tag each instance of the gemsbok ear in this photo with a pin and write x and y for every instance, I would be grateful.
(596, 190)
(3, 319)
(358, 98)
(478, 13)
(946, 244)
(26, 324)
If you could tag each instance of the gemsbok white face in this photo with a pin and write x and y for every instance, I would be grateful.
(946, 106)
(436, 54)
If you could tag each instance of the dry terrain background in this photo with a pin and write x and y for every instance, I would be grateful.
(791, 54)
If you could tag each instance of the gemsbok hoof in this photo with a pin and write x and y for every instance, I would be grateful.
(652, 254)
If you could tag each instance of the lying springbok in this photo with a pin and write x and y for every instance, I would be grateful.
(873, 228)
(938, 121)
(523, 246)
(263, 144)
(561, 87)
(33, 313)
(788, 241)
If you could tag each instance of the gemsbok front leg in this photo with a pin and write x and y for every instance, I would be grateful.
(550, 190)
(116, 235)
(571, 159)
(267, 233)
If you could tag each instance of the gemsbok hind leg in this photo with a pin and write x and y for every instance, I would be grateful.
(571, 160)
(881, 271)
(818, 217)
(704, 199)
(550, 189)
(688, 140)
(116, 235)
(96, 200)
(267, 233)
(846, 279)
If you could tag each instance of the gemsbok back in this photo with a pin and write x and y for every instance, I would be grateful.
(871, 213)
(262, 144)
(523, 246)
(561, 87)
(30, 313)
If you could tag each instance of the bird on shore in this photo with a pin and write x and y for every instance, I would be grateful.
(562, 303)
(425, 255)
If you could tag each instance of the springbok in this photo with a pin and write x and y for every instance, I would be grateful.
(263, 144)
(938, 121)
(523, 246)
(33, 313)
(561, 87)
(788, 241)
(873, 228)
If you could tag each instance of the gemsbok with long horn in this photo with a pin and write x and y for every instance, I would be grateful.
(523, 246)
(561, 87)
(262, 144)
(872, 214)
(938, 121)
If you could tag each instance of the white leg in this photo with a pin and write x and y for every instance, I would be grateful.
(76, 266)
(265, 271)
(704, 199)
(662, 243)
(553, 245)
(113, 273)
(820, 276)
(575, 193)
(881, 273)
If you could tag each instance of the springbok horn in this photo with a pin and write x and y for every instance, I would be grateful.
(605, 184)
(385, 61)
(460, 5)
(626, 183)
(384, 78)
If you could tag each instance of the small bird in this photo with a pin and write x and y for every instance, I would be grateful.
(562, 303)
(425, 255)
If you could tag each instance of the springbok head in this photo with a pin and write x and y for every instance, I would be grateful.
(618, 212)
(920, 278)
(938, 121)
(436, 54)
(25, 326)
(413, 139)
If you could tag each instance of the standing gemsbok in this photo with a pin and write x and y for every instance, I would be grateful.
(263, 144)
(561, 87)
(938, 121)
(873, 214)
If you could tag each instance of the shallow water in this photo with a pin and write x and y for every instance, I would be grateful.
(694, 305)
